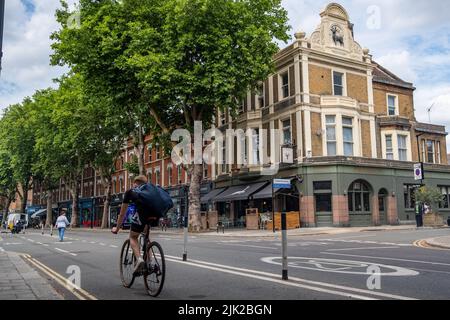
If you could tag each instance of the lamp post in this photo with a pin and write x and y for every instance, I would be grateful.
(2, 17)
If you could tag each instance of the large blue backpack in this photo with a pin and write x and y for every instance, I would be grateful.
(155, 200)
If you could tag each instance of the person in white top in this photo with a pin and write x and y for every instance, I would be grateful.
(61, 224)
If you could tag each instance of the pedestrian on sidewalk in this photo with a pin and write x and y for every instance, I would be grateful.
(61, 224)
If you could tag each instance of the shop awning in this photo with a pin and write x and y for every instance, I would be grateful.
(208, 197)
(265, 193)
(239, 192)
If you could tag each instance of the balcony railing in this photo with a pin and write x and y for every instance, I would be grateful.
(338, 101)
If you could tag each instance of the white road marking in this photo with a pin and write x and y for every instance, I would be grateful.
(31, 240)
(340, 266)
(387, 258)
(64, 251)
(269, 277)
(93, 242)
(12, 243)
(102, 244)
(113, 246)
(249, 246)
(2, 250)
(364, 248)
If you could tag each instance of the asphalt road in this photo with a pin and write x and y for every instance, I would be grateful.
(227, 268)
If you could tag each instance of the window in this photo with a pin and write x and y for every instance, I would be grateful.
(205, 171)
(409, 193)
(347, 127)
(402, 147)
(150, 150)
(323, 196)
(149, 176)
(157, 177)
(287, 136)
(331, 135)
(430, 151)
(158, 152)
(179, 172)
(438, 152)
(260, 96)
(338, 83)
(359, 197)
(169, 176)
(392, 105)
(389, 148)
(444, 204)
(224, 158)
(284, 85)
(241, 105)
(255, 142)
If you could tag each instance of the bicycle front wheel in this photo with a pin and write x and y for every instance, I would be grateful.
(156, 270)
(127, 261)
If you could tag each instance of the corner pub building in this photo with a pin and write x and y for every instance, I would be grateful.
(347, 123)
(351, 127)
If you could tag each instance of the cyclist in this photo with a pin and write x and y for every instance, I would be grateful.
(141, 219)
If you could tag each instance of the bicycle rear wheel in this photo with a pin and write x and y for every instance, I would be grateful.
(127, 261)
(156, 269)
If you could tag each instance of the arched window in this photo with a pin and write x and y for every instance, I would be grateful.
(359, 197)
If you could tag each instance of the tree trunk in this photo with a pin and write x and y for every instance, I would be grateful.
(139, 150)
(105, 217)
(8, 203)
(75, 221)
(194, 197)
(49, 220)
(23, 209)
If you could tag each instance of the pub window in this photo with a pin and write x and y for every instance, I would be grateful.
(338, 83)
(255, 142)
(359, 197)
(224, 159)
(402, 147)
(323, 195)
(347, 127)
(409, 193)
(392, 105)
(444, 204)
(438, 152)
(331, 135)
(389, 148)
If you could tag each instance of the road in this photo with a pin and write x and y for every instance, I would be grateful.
(231, 268)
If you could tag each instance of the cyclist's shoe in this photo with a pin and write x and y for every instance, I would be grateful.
(139, 267)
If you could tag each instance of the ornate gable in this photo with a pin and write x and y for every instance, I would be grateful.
(335, 34)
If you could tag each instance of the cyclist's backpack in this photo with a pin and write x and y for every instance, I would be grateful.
(154, 199)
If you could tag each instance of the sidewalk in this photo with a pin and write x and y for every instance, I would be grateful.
(18, 281)
(440, 242)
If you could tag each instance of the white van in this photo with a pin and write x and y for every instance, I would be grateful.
(13, 218)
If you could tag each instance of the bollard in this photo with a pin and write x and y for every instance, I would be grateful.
(185, 244)
(284, 246)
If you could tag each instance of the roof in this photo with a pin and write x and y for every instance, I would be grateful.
(383, 75)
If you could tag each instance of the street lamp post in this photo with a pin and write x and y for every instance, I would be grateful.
(2, 18)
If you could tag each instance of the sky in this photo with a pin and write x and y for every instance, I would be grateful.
(410, 38)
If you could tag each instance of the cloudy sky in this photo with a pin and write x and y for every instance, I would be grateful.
(411, 38)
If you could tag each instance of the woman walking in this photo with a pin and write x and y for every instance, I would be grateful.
(61, 224)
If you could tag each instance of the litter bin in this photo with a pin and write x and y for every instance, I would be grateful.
(448, 221)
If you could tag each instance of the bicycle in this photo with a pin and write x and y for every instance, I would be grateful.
(155, 266)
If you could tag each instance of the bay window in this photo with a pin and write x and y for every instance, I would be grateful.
(347, 127)
(389, 148)
(402, 148)
(331, 135)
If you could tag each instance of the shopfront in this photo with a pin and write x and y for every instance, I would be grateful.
(88, 219)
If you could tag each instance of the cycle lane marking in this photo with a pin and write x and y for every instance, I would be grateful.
(312, 285)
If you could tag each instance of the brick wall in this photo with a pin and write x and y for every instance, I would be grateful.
(320, 81)
(357, 87)
(405, 97)
(365, 137)
(316, 126)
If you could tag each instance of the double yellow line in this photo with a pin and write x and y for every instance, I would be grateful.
(72, 288)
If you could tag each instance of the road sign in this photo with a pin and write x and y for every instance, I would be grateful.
(281, 183)
(418, 172)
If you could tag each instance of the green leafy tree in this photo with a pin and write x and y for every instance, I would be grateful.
(18, 138)
(429, 195)
(176, 60)
(8, 185)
